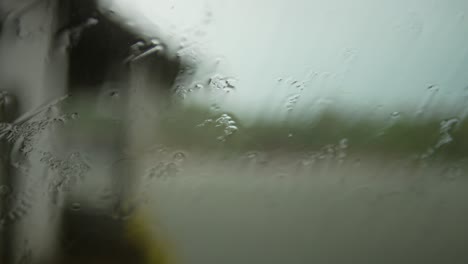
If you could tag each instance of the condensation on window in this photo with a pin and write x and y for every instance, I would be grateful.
(227, 131)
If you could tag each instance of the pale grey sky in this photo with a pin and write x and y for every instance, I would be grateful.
(349, 52)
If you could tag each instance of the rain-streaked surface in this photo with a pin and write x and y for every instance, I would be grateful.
(203, 131)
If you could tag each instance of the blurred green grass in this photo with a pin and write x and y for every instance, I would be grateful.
(399, 136)
(180, 126)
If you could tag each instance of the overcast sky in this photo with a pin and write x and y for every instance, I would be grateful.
(373, 53)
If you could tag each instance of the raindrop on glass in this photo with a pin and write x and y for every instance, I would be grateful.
(75, 206)
(179, 157)
(4, 190)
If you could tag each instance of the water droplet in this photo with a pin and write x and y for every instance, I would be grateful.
(215, 108)
(7, 101)
(68, 170)
(124, 211)
(206, 122)
(428, 99)
(154, 42)
(252, 155)
(222, 83)
(446, 126)
(179, 157)
(230, 129)
(341, 149)
(228, 123)
(4, 191)
(343, 143)
(114, 94)
(292, 101)
(75, 206)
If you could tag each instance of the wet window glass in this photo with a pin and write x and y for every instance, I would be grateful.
(222, 131)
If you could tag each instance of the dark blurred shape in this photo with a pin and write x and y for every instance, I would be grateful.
(103, 50)
(97, 50)
(92, 238)
(8, 112)
(100, 52)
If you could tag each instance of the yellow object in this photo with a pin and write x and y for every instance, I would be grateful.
(155, 249)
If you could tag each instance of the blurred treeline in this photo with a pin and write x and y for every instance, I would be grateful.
(196, 127)
(400, 135)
